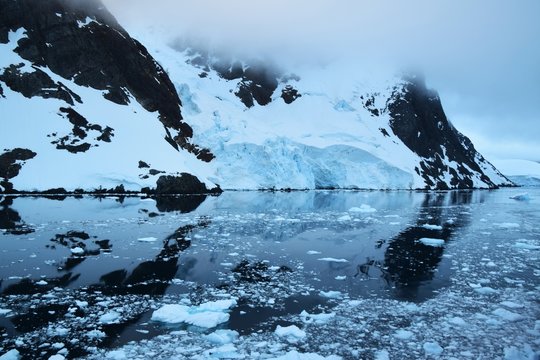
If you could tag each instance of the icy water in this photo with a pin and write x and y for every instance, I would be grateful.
(319, 274)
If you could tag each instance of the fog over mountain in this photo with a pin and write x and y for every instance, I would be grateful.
(481, 56)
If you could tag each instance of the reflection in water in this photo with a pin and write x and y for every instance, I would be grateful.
(10, 220)
(408, 263)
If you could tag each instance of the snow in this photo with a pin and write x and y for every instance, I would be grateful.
(206, 315)
(431, 242)
(11, 355)
(292, 333)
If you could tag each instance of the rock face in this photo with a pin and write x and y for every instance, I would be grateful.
(70, 58)
(80, 40)
(418, 119)
(183, 184)
(80, 93)
(11, 163)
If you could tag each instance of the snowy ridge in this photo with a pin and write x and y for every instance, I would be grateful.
(137, 136)
(337, 134)
(246, 125)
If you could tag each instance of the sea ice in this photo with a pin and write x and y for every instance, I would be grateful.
(109, 317)
(331, 294)
(432, 348)
(292, 333)
(431, 242)
(206, 315)
(222, 337)
(403, 334)
(295, 355)
(330, 259)
(147, 239)
(507, 315)
(432, 227)
(363, 209)
(11, 355)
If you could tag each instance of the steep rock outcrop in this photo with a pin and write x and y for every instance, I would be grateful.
(81, 41)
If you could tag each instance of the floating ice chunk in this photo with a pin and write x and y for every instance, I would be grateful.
(340, 277)
(521, 197)
(147, 239)
(432, 227)
(222, 337)
(507, 315)
(77, 250)
(313, 252)
(526, 246)
(4, 311)
(321, 318)
(292, 333)
(513, 353)
(227, 351)
(57, 357)
(403, 334)
(512, 305)
(330, 259)
(95, 334)
(330, 294)
(433, 348)
(507, 225)
(485, 290)
(456, 320)
(382, 355)
(431, 242)
(295, 355)
(207, 315)
(11, 355)
(42, 283)
(344, 218)
(363, 209)
(116, 355)
(109, 317)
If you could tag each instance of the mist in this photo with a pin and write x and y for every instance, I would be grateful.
(482, 56)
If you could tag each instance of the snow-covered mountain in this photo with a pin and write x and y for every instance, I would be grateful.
(85, 106)
(521, 172)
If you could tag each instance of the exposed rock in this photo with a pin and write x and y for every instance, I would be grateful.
(81, 128)
(142, 165)
(81, 40)
(36, 83)
(418, 119)
(11, 162)
(289, 94)
(183, 184)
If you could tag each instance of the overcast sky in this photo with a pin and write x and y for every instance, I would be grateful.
(482, 56)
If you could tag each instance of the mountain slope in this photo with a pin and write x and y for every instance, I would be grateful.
(86, 100)
(317, 126)
(88, 107)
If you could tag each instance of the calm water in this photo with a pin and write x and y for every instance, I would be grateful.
(312, 246)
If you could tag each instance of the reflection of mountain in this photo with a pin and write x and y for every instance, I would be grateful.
(10, 220)
(408, 263)
(152, 277)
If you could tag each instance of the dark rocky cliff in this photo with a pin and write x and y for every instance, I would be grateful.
(419, 121)
(81, 41)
